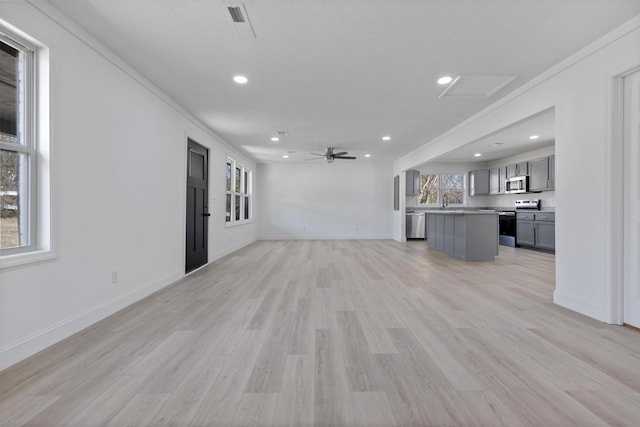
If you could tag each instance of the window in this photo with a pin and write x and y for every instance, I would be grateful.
(18, 156)
(238, 197)
(436, 189)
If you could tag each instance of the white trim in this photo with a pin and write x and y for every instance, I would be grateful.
(25, 347)
(14, 260)
(579, 305)
(229, 250)
(27, 126)
(245, 173)
(615, 213)
(324, 237)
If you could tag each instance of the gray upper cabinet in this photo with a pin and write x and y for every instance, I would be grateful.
(551, 184)
(479, 183)
(517, 169)
(413, 183)
(542, 174)
(495, 181)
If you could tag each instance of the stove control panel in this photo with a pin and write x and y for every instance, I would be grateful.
(528, 204)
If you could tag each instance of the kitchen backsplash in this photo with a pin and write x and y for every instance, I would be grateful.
(547, 200)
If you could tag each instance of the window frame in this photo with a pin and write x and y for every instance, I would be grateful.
(440, 190)
(37, 111)
(237, 189)
(26, 144)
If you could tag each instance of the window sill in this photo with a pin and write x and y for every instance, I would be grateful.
(26, 258)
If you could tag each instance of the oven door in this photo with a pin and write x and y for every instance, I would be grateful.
(507, 227)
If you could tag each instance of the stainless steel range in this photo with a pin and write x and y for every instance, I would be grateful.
(507, 220)
(528, 204)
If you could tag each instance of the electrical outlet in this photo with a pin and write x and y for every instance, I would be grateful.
(114, 277)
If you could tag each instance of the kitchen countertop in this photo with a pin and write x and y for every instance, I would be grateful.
(476, 209)
(464, 212)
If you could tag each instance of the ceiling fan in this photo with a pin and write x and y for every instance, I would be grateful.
(330, 156)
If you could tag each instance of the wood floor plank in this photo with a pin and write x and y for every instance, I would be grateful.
(220, 405)
(332, 399)
(139, 411)
(266, 376)
(255, 410)
(359, 364)
(339, 333)
(20, 411)
(371, 409)
(296, 400)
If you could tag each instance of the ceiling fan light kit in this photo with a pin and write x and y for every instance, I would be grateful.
(330, 156)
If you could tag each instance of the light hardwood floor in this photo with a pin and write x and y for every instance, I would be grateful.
(339, 333)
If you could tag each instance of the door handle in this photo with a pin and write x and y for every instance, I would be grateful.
(206, 214)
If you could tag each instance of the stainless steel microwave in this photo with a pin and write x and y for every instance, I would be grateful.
(517, 184)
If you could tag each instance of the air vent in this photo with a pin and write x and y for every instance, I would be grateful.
(241, 21)
(236, 13)
(282, 133)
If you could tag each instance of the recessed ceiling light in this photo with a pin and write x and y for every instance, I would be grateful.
(445, 80)
(386, 138)
(285, 156)
(240, 79)
(367, 155)
(477, 155)
(275, 138)
(534, 137)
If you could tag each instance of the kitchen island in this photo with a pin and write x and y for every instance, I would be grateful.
(466, 235)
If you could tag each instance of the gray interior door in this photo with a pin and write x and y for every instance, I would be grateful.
(197, 206)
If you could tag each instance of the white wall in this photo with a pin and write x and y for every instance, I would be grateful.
(341, 200)
(587, 157)
(118, 194)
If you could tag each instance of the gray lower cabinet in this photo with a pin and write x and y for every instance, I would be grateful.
(536, 229)
(469, 237)
(525, 232)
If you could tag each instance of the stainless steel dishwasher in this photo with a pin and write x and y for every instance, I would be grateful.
(415, 223)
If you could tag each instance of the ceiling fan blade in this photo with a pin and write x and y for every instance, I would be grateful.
(345, 157)
(342, 153)
(321, 155)
(316, 158)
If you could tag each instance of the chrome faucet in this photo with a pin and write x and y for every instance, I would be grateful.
(445, 202)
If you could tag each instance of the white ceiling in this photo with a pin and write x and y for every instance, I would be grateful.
(510, 141)
(341, 73)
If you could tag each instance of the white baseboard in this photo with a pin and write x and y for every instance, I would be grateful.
(30, 345)
(579, 305)
(324, 237)
(214, 256)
